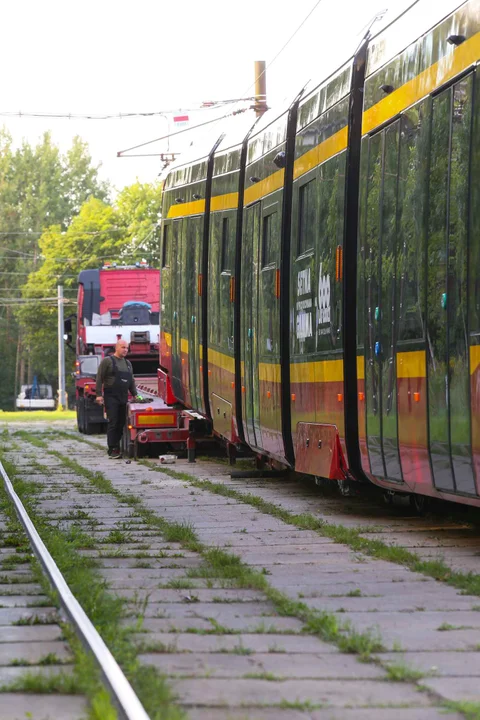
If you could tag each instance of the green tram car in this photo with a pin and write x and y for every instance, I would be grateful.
(320, 268)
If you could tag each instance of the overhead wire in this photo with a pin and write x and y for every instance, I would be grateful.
(177, 132)
(121, 116)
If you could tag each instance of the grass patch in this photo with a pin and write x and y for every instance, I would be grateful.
(471, 710)
(33, 415)
(401, 672)
(32, 682)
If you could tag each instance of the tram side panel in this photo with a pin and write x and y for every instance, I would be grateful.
(181, 348)
(316, 291)
(260, 291)
(417, 289)
(221, 292)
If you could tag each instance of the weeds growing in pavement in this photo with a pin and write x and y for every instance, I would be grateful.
(471, 710)
(469, 582)
(223, 566)
(106, 612)
(401, 672)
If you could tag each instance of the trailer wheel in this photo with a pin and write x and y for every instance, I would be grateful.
(128, 446)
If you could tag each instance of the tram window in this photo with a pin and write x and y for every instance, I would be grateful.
(268, 240)
(306, 217)
(331, 190)
(474, 236)
(225, 263)
(166, 246)
(412, 209)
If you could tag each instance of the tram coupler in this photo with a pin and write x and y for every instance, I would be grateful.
(191, 449)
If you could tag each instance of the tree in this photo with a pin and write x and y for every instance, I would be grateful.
(92, 235)
(139, 207)
(100, 232)
(39, 187)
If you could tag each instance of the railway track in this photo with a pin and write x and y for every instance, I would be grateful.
(36, 639)
(256, 599)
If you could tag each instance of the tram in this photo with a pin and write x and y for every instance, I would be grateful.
(321, 268)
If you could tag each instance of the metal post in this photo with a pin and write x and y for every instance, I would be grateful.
(260, 88)
(62, 399)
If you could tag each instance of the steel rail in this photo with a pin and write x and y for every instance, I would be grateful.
(125, 699)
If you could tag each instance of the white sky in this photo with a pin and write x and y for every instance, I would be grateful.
(105, 56)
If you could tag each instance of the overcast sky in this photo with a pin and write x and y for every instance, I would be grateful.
(101, 56)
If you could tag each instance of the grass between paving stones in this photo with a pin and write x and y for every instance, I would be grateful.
(219, 564)
(468, 583)
(106, 612)
(471, 710)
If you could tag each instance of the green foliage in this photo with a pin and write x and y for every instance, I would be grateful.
(39, 187)
(55, 220)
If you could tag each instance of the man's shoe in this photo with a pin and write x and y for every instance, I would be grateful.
(116, 455)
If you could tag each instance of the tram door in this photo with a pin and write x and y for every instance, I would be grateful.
(249, 315)
(447, 346)
(380, 302)
(193, 312)
(176, 275)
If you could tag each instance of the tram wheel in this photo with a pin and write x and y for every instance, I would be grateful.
(388, 496)
(419, 503)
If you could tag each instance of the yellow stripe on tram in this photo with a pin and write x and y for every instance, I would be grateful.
(408, 94)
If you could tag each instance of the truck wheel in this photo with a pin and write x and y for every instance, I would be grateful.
(92, 428)
(80, 414)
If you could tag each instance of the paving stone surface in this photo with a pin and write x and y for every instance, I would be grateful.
(39, 707)
(226, 651)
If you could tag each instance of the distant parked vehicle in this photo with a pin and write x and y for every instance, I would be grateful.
(35, 397)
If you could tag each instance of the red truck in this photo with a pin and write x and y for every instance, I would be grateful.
(116, 302)
(122, 302)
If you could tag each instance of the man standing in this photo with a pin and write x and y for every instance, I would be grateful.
(115, 374)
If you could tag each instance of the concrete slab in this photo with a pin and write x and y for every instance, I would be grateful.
(33, 652)
(42, 707)
(461, 689)
(444, 664)
(218, 693)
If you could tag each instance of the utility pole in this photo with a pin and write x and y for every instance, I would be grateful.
(62, 398)
(260, 88)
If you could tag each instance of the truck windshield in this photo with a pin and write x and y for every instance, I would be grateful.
(88, 364)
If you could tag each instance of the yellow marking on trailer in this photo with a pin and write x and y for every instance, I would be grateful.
(265, 187)
(195, 207)
(183, 345)
(149, 419)
(168, 339)
(423, 84)
(224, 202)
(411, 364)
(474, 358)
